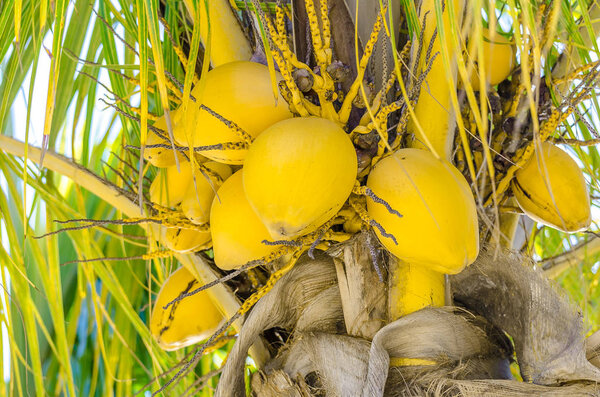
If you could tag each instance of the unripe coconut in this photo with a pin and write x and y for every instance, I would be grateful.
(199, 197)
(186, 240)
(298, 174)
(498, 58)
(551, 189)
(438, 228)
(170, 185)
(188, 321)
(237, 232)
(162, 157)
(240, 92)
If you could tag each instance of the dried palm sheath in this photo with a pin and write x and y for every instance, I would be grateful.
(592, 346)
(306, 296)
(546, 327)
(469, 345)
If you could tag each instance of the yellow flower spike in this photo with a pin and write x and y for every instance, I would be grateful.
(344, 112)
(190, 321)
(238, 93)
(498, 60)
(322, 52)
(287, 61)
(551, 189)
(169, 187)
(199, 196)
(237, 232)
(438, 229)
(298, 173)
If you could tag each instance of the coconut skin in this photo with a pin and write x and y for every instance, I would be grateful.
(438, 228)
(498, 58)
(297, 175)
(551, 189)
(199, 196)
(237, 232)
(180, 325)
(163, 157)
(170, 185)
(240, 92)
(186, 240)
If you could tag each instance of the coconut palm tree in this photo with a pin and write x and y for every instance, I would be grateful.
(456, 253)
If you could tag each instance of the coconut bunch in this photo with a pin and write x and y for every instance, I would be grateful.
(294, 177)
(292, 192)
(270, 164)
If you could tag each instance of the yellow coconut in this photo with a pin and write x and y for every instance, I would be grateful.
(551, 189)
(298, 174)
(189, 321)
(199, 196)
(162, 157)
(170, 185)
(186, 240)
(240, 92)
(237, 232)
(498, 60)
(438, 228)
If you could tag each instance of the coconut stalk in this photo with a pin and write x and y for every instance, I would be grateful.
(411, 287)
(436, 133)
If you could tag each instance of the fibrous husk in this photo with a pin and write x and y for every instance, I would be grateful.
(471, 351)
(305, 299)
(278, 383)
(341, 365)
(347, 366)
(592, 347)
(335, 363)
(546, 328)
(438, 334)
(362, 284)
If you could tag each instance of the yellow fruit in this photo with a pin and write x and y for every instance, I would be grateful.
(188, 321)
(436, 130)
(240, 92)
(198, 198)
(498, 60)
(438, 228)
(186, 240)
(551, 189)
(298, 174)
(169, 187)
(161, 157)
(237, 233)
(227, 39)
